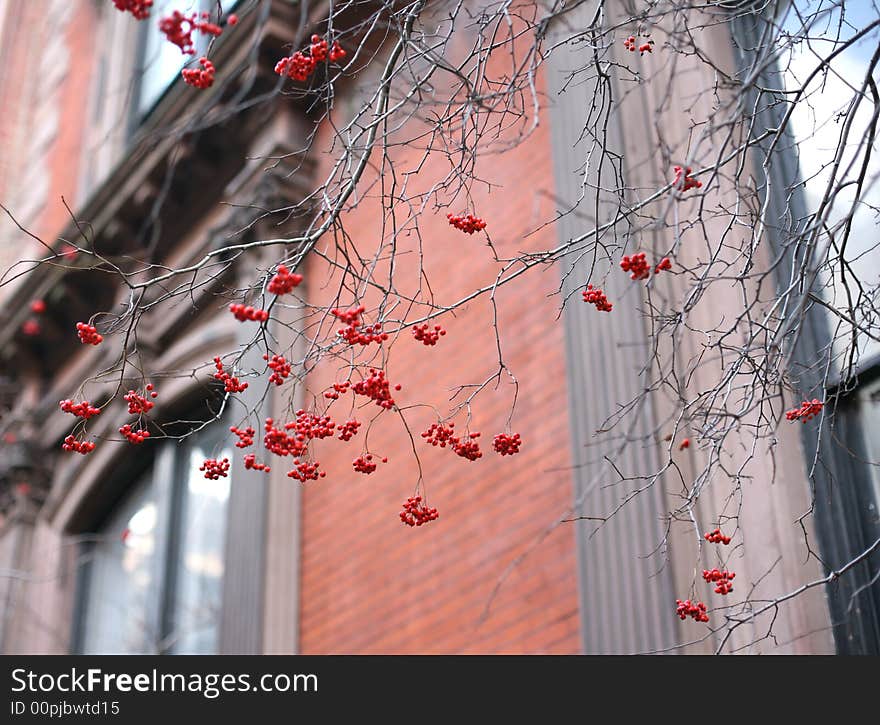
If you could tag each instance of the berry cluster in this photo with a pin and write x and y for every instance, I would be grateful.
(371, 333)
(415, 514)
(230, 382)
(319, 50)
(427, 336)
(440, 435)
(178, 29)
(338, 388)
(683, 179)
(250, 463)
(809, 409)
(245, 313)
(31, 327)
(72, 444)
(686, 443)
(722, 579)
(639, 268)
(686, 608)
(348, 430)
(716, 537)
(637, 265)
(245, 437)
(83, 410)
(309, 426)
(134, 437)
(630, 45)
(139, 8)
(376, 388)
(596, 296)
(305, 471)
(200, 77)
(300, 66)
(283, 281)
(365, 464)
(281, 444)
(354, 333)
(351, 316)
(280, 368)
(138, 404)
(506, 445)
(88, 335)
(443, 435)
(297, 66)
(468, 224)
(306, 427)
(468, 448)
(215, 469)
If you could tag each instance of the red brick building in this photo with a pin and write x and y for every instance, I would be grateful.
(117, 552)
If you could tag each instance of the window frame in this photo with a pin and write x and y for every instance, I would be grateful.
(169, 465)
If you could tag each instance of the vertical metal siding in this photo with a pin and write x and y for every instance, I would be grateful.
(626, 591)
(241, 619)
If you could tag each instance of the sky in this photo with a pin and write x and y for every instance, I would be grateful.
(818, 122)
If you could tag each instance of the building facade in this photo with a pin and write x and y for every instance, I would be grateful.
(104, 149)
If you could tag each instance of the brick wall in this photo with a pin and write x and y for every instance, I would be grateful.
(47, 51)
(373, 585)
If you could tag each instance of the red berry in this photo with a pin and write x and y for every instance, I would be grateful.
(83, 410)
(245, 437)
(376, 387)
(716, 537)
(415, 513)
(506, 445)
(215, 469)
(250, 463)
(426, 336)
(139, 404)
(596, 296)
(637, 265)
(139, 8)
(468, 224)
(200, 78)
(230, 383)
(134, 437)
(695, 610)
(809, 409)
(178, 29)
(88, 335)
(683, 180)
(283, 281)
(72, 444)
(280, 368)
(664, 264)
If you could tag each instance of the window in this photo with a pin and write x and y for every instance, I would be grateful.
(829, 151)
(152, 576)
(844, 483)
(818, 123)
(162, 61)
(121, 577)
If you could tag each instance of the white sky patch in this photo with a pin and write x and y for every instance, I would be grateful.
(817, 124)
